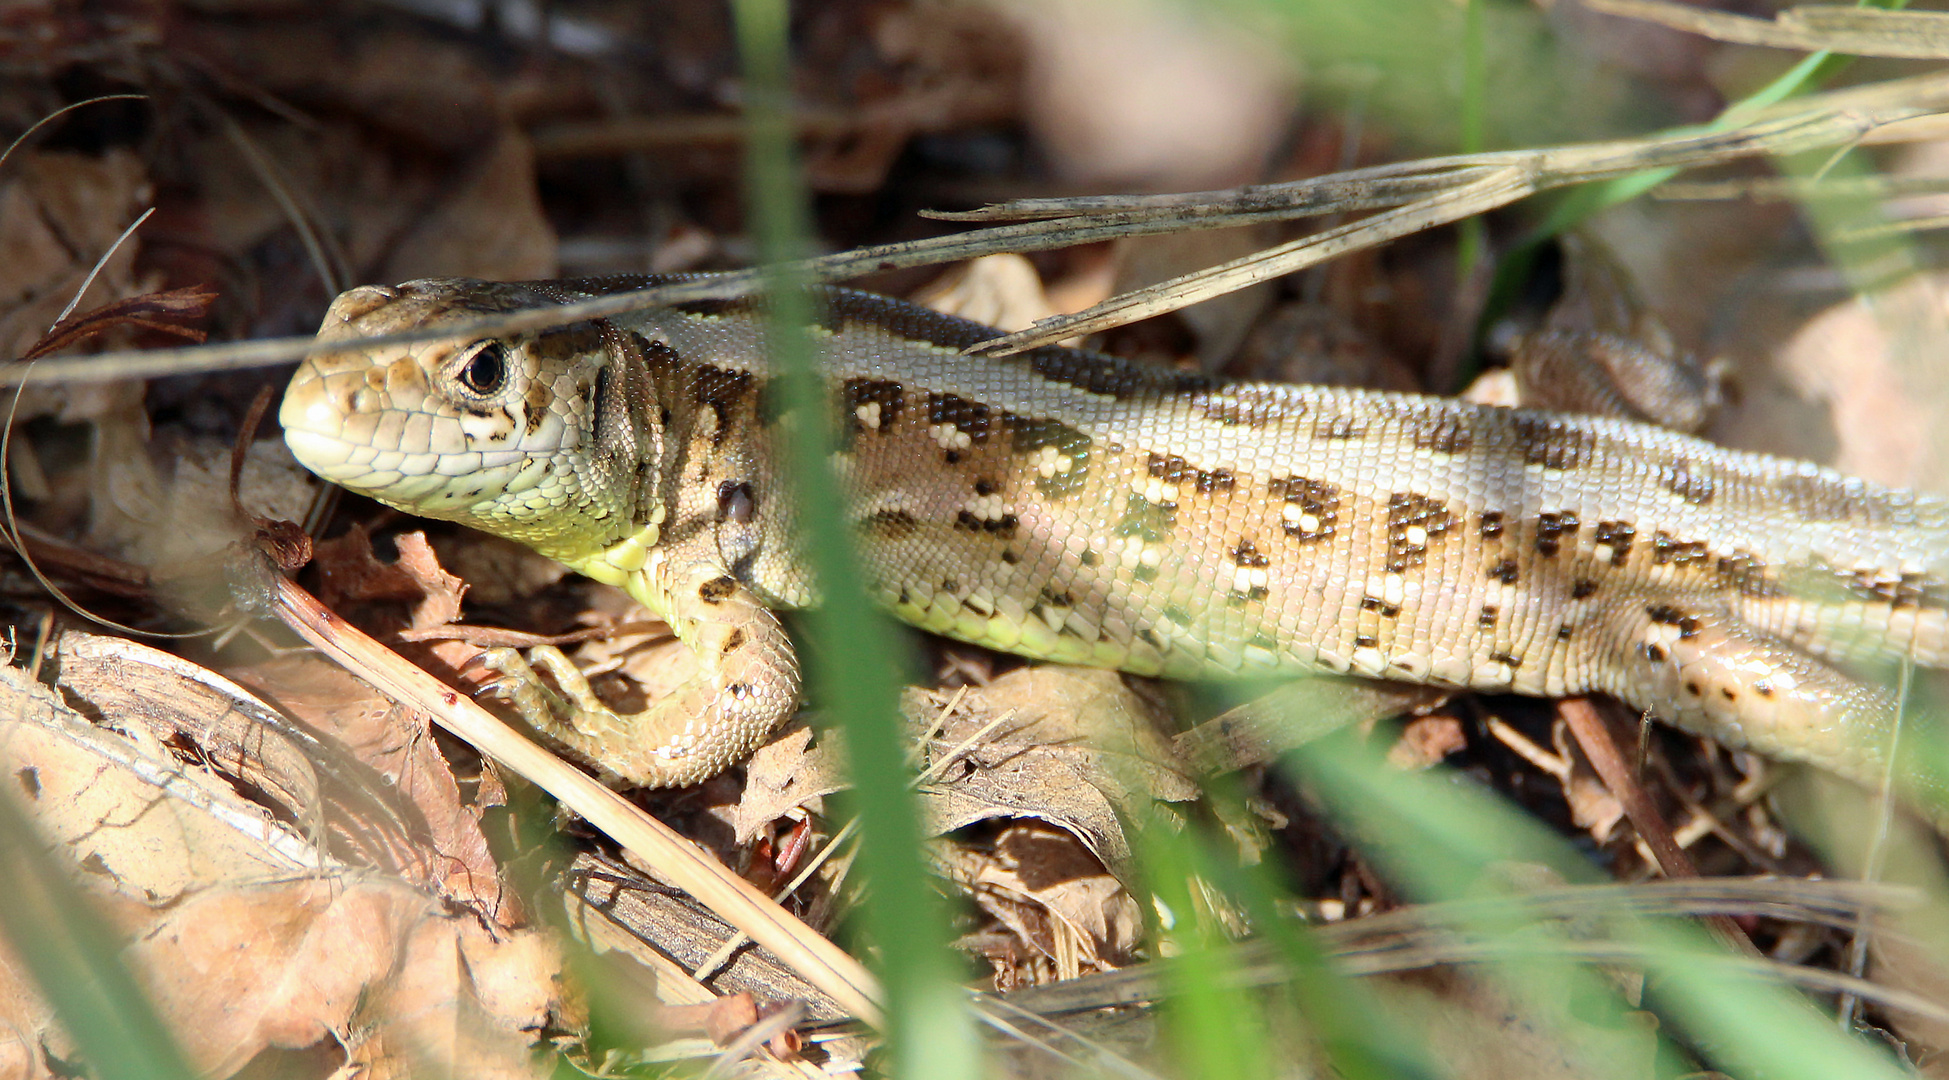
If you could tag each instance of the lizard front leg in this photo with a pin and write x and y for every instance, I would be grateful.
(745, 686)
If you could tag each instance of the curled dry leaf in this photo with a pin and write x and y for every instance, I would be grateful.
(785, 774)
(1040, 882)
(1072, 747)
(354, 769)
(247, 936)
(1077, 746)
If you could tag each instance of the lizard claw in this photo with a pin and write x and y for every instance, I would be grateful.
(522, 687)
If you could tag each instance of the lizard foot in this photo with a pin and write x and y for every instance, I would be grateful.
(678, 740)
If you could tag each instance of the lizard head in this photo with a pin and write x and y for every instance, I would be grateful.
(528, 435)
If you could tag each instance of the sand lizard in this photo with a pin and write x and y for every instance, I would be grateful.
(1072, 506)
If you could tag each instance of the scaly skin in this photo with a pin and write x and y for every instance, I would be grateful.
(1074, 507)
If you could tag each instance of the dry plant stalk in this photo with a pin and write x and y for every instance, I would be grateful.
(1411, 196)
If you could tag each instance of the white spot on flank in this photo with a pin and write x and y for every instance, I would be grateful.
(1157, 491)
(1246, 579)
(1660, 635)
(1050, 461)
(869, 415)
(949, 437)
(1415, 535)
(987, 507)
(1492, 673)
(1293, 514)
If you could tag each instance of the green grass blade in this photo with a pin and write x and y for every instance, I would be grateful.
(928, 1022)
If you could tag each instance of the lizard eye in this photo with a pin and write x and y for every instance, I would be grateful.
(485, 372)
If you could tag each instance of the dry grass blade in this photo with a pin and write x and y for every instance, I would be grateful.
(1413, 195)
(171, 312)
(1799, 189)
(1433, 934)
(1482, 182)
(734, 900)
(1498, 187)
(1908, 35)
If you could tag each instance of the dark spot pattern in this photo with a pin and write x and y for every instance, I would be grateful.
(1667, 550)
(1551, 442)
(1441, 433)
(1825, 497)
(1504, 570)
(889, 395)
(1898, 590)
(1552, 528)
(1491, 524)
(1173, 469)
(1618, 536)
(1003, 527)
(1380, 606)
(971, 418)
(599, 405)
(721, 390)
(717, 589)
(1316, 499)
(890, 524)
(1489, 616)
(1667, 615)
(1746, 573)
(1339, 428)
(1689, 481)
(1584, 589)
(658, 356)
(1052, 597)
(1027, 436)
(1407, 511)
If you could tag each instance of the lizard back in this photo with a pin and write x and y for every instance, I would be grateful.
(1071, 506)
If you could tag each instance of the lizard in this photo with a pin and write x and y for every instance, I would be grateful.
(1071, 506)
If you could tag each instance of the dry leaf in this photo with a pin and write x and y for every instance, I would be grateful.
(489, 224)
(446, 850)
(1075, 745)
(247, 937)
(59, 213)
(1044, 885)
(785, 774)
